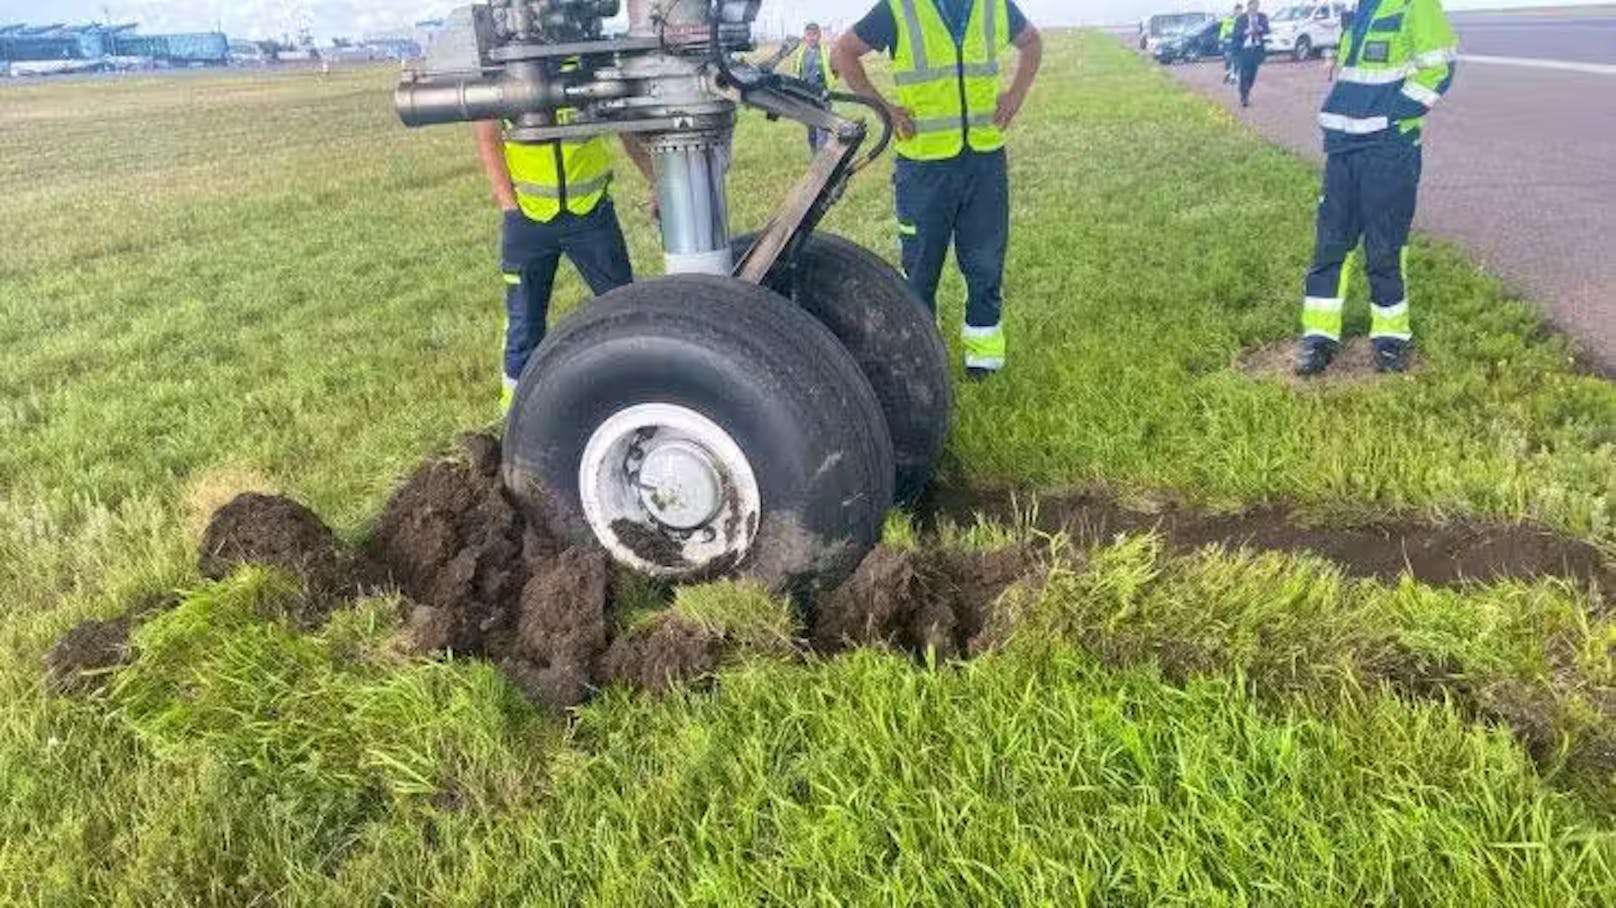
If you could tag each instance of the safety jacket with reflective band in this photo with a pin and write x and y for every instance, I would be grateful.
(551, 176)
(796, 64)
(950, 88)
(1226, 28)
(1397, 61)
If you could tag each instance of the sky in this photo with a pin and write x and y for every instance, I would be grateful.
(326, 18)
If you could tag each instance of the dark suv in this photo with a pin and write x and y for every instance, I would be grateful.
(1199, 42)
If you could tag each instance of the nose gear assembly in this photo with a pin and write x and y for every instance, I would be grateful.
(758, 410)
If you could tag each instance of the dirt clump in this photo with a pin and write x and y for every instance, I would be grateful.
(980, 580)
(663, 652)
(879, 604)
(1438, 554)
(80, 661)
(451, 540)
(484, 582)
(277, 532)
(940, 603)
(561, 629)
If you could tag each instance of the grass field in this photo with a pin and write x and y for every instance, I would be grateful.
(232, 282)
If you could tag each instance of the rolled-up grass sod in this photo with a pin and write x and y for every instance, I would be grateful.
(235, 281)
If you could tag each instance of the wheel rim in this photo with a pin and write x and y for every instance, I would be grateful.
(668, 491)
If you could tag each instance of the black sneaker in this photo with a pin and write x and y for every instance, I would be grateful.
(977, 374)
(1315, 355)
(1391, 354)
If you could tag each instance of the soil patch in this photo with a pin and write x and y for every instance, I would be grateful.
(481, 581)
(1354, 365)
(484, 582)
(661, 653)
(278, 532)
(81, 660)
(938, 604)
(1447, 554)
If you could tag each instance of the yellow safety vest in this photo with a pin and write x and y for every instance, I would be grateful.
(552, 174)
(952, 89)
(795, 61)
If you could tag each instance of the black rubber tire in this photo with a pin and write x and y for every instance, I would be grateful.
(772, 377)
(1303, 51)
(894, 339)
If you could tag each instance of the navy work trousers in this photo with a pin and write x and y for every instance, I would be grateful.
(1370, 194)
(964, 201)
(530, 253)
(1251, 60)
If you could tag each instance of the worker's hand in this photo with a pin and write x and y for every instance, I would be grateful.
(1009, 106)
(903, 121)
(654, 206)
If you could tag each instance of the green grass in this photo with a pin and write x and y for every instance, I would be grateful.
(232, 280)
(240, 761)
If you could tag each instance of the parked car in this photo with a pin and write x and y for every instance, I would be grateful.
(1160, 27)
(1308, 30)
(1189, 46)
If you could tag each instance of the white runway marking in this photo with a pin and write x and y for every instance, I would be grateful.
(1593, 69)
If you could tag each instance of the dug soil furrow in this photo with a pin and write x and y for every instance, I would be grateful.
(1437, 554)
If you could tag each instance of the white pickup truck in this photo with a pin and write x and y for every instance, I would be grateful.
(1308, 30)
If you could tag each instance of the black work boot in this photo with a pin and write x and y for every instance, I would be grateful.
(1391, 354)
(1315, 355)
(978, 374)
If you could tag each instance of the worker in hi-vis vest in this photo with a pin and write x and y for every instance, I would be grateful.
(951, 182)
(810, 62)
(556, 197)
(1396, 61)
(1231, 51)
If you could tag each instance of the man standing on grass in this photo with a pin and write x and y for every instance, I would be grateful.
(1251, 43)
(556, 199)
(811, 64)
(952, 181)
(1396, 62)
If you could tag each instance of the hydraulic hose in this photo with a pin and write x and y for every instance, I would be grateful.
(886, 125)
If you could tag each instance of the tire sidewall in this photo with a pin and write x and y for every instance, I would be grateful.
(814, 494)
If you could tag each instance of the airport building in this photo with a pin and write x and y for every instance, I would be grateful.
(63, 48)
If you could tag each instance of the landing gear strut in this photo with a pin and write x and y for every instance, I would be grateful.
(758, 411)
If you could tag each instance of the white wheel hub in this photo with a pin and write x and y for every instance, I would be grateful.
(668, 491)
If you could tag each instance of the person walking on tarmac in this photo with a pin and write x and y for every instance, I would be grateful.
(811, 64)
(1251, 44)
(1231, 52)
(556, 201)
(1396, 62)
(952, 181)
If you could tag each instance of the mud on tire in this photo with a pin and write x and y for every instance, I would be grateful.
(729, 377)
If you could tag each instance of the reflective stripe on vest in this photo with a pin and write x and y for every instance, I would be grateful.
(1356, 126)
(548, 176)
(950, 87)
